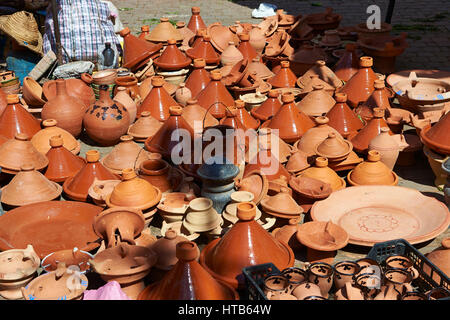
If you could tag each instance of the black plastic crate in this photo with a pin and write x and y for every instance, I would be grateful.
(254, 278)
(430, 276)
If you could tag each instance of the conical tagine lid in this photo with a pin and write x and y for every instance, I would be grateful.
(163, 32)
(438, 136)
(317, 102)
(144, 127)
(372, 171)
(342, 118)
(16, 119)
(41, 140)
(29, 186)
(158, 101)
(282, 203)
(245, 244)
(172, 58)
(188, 280)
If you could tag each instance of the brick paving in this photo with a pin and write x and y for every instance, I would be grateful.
(426, 22)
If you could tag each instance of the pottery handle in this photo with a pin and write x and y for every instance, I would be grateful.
(87, 78)
(29, 253)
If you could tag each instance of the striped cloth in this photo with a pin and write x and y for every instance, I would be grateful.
(85, 27)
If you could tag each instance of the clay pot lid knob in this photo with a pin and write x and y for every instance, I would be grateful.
(199, 63)
(379, 84)
(284, 64)
(92, 156)
(384, 129)
(239, 104)
(126, 138)
(293, 221)
(244, 37)
(287, 97)
(195, 10)
(216, 75)
(170, 234)
(284, 190)
(171, 41)
(332, 135)
(321, 162)
(321, 120)
(186, 251)
(49, 123)
(27, 167)
(124, 32)
(145, 114)
(320, 63)
(145, 28)
(128, 174)
(164, 19)
(340, 97)
(273, 94)
(366, 62)
(246, 211)
(175, 110)
(21, 137)
(318, 87)
(378, 112)
(373, 156)
(191, 102)
(56, 141)
(12, 98)
(157, 81)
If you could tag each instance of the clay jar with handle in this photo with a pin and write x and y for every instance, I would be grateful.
(66, 110)
(62, 164)
(125, 99)
(16, 119)
(106, 121)
(387, 146)
(372, 172)
(17, 267)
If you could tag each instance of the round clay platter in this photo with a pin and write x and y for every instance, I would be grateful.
(373, 214)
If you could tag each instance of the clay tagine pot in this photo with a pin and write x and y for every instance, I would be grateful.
(323, 73)
(436, 137)
(137, 51)
(348, 64)
(183, 94)
(342, 118)
(126, 264)
(100, 189)
(231, 54)
(19, 151)
(256, 246)
(195, 114)
(287, 234)
(77, 186)
(256, 183)
(145, 127)
(199, 77)
(322, 240)
(165, 249)
(41, 140)
(133, 192)
(65, 109)
(378, 99)
(163, 32)
(268, 108)
(281, 205)
(316, 103)
(196, 22)
(372, 171)
(188, 280)
(173, 206)
(158, 100)
(305, 57)
(284, 78)
(172, 58)
(215, 96)
(54, 285)
(77, 88)
(322, 172)
(126, 154)
(18, 267)
(204, 50)
(309, 84)
(106, 120)
(333, 148)
(387, 146)
(16, 119)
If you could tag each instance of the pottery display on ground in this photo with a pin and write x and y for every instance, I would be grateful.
(316, 103)
(160, 174)
(281, 205)
(41, 140)
(158, 101)
(137, 51)
(284, 78)
(165, 249)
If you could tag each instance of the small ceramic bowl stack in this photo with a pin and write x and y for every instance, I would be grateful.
(201, 217)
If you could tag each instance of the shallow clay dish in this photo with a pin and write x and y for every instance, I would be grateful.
(372, 214)
(49, 226)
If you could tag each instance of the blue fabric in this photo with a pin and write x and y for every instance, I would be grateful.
(21, 63)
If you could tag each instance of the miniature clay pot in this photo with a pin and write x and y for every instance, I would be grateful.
(306, 289)
(322, 172)
(344, 272)
(281, 203)
(54, 285)
(401, 262)
(349, 292)
(65, 109)
(160, 174)
(369, 284)
(372, 172)
(399, 278)
(387, 147)
(16, 119)
(41, 140)
(165, 249)
(321, 274)
(18, 268)
(201, 216)
(106, 121)
(295, 276)
(133, 192)
(275, 284)
(183, 94)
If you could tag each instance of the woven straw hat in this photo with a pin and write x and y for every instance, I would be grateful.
(22, 27)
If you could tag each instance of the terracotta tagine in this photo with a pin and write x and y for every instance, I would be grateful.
(204, 50)
(194, 114)
(125, 99)
(77, 186)
(163, 32)
(342, 118)
(322, 172)
(305, 57)
(136, 51)
(199, 77)
(284, 78)
(231, 54)
(196, 22)
(133, 192)
(158, 101)
(281, 205)
(106, 120)
(261, 70)
(315, 135)
(161, 141)
(126, 264)
(188, 280)
(256, 183)
(65, 109)
(215, 97)
(372, 171)
(220, 36)
(436, 137)
(265, 136)
(41, 140)
(18, 268)
(440, 257)
(100, 189)
(244, 116)
(348, 64)
(306, 191)
(145, 127)
(334, 148)
(372, 129)
(322, 240)
(19, 151)
(360, 86)
(278, 46)
(289, 113)
(145, 30)
(248, 52)
(54, 285)
(287, 234)
(62, 164)
(76, 88)
(16, 119)
(268, 108)
(186, 33)
(316, 103)
(173, 206)
(387, 146)
(298, 161)
(146, 86)
(324, 73)
(312, 82)
(256, 245)
(126, 154)
(160, 174)
(172, 58)
(165, 249)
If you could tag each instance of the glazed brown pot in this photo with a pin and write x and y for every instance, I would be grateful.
(16, 119)
(196, 22)
(158, 101)
(65, 109)
(106, 120)
(199, 77)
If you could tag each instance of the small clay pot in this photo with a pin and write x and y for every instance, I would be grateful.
(276, 284)
(296, 276)
(160, 174)
(399, 278)
(344, 272)
(306, 289)
(321, 274)
(369, 284)
(201, 216)
(165, 248)
(173, 206)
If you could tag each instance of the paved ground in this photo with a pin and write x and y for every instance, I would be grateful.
(426, 22)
